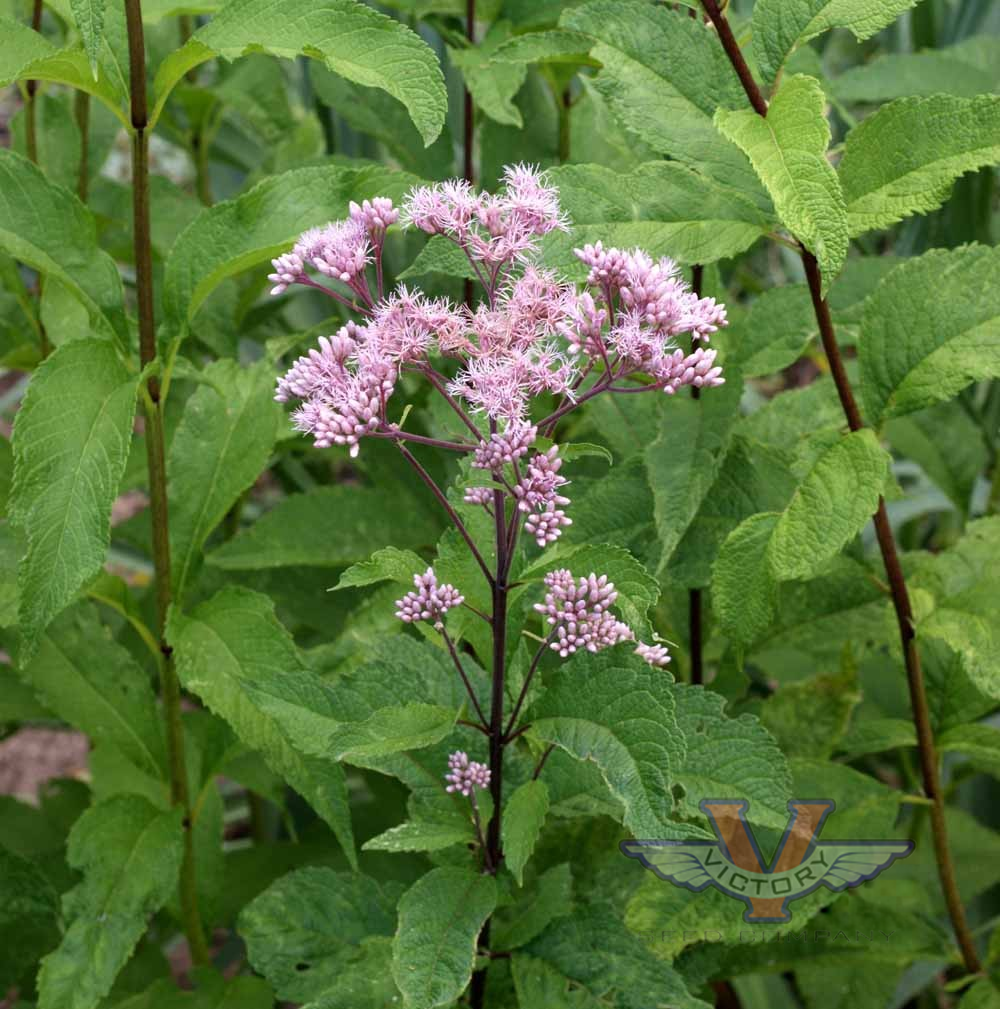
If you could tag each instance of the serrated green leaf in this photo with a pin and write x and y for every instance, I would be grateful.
(664, 207)
(434, 948)
(211, 991)
(775, 332)
(877, 735)
(972, 639)
(440, 255)
(317, 933)
(617, 711)
(835, 500)
(326, 527)
(535, 908)
(230, 650)
(663, 76)
(979, 743)
(389, 564)
(130, 854)
(92, 683)
(903, 159)
(350, 39)
(984, 994)
(684, 461)
(524, 816)
(788, 151)
(89, 17)
(71, 441)
(222, 442)
(779, 26)
(492, 85)
(418, 835)
(539, 984)
(47, 228)
(238, 234)
(392, 730)
(557, 45)
(27, 55)
(916, 351)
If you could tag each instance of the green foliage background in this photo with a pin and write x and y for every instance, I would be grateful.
(330, 868)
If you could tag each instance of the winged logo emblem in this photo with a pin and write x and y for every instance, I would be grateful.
(735, 865)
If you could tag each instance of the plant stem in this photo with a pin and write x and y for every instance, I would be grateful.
(565, 102)
(81, 111)
(694, 595)
(31, 144)
(469, 124)
(887, 546)
(156, 459)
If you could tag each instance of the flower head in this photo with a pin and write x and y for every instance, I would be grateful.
(504, 447)
(655, 655)
(579, 612)
(465, 775)
(430, 601)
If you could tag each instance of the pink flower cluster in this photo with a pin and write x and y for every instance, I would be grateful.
(538, 494)
(580, 613)
(430, 601)
(465, 775)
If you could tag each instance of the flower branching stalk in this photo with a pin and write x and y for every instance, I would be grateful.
(887, 545)
(695, 632)
(533, 350)
(156, 461)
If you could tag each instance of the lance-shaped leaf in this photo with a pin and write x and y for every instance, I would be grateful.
(91, 682)
(89, 17)
(780, 26)
(47, 228)
(392, 730)
(788, 150)
(29, 916)
(434, 948)
(664, 207)
(320, 934)
(492, 85)
(221, 444)
(615, 710)
(663, 76)
(27, 55)
(524, 817)
(420, 835)
(388, 565)
(558, 45)
(258, 225)
(349, 38)
(130, 855)
(929, 329)
(71, 441)
(903, 159)
(232, 651)
(832, 504)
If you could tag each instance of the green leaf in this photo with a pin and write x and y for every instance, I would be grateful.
(89, 17)
(29, 916)
(418, 835)
(686, 458)
(968, 68)
(26, 55)
(788, 152)
(539, 984)
(392, 730)
(71, 441)
(524, 816)
(130, 854)
(615, 710)
(554, 46)
(92, 683)
(665, 207)
(984, 994)
(434, 948)
(379, 115)
(350, 39)
(231, 650)
(238, 234)
(316, 933)
(917, 351)
(47, 228)
(903, 159)
(325, 527)
(972, 639)
(780, 26)
(211, 991)
(492, 85)
(440, 255)
(832, 504)
(535, 908)
(775, 332)
(221, 444)
(664, 76)
(980, 743)
(744, 591)
(877, 735)
(387, 565)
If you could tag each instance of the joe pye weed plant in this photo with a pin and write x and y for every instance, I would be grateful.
(450, 440)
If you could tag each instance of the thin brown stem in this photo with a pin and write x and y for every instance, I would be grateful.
(394, 434)
(536, 773)
(81, 112)
(156, 460)
(446, 504)
(31, 145)
(469, 128)
(462, 674)
(527, 683)
(694, 595)
(435, 380)
(890, 556)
